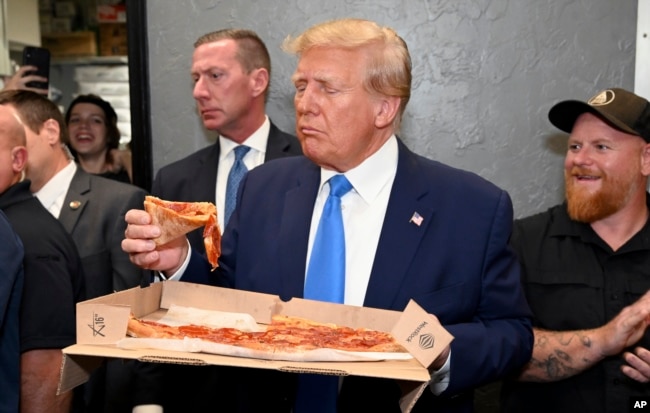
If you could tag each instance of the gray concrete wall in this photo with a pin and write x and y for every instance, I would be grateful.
(485, 74)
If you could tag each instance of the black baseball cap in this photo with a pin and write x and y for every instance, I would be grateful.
(624, 110)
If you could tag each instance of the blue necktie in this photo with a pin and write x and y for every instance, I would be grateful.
(237, 172)
(325, 282)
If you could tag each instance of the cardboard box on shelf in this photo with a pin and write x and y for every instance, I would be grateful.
(113, 39)
(102, 322)
(111, 13)
(74, 44)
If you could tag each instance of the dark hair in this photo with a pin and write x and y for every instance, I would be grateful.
(112, 132)
(34, 110)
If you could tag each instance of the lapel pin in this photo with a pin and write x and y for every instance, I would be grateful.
(416, 219)
(75, 204)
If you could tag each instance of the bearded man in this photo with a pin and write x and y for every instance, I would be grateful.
(586, 266)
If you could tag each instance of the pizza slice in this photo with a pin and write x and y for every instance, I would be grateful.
(178, 218)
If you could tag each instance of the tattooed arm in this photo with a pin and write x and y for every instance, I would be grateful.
(561, 354)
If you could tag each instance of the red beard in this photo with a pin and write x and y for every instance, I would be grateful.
(590, 206)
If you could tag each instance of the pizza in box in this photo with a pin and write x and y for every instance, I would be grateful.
(285, 338)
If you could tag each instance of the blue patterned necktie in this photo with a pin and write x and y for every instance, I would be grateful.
(325, 282)
(237, 172)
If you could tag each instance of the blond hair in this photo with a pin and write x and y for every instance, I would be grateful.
(389, 68)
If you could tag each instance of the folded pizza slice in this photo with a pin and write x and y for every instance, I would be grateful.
(176, 219)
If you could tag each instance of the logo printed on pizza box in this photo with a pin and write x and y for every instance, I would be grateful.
(97, 325)
(426, 341)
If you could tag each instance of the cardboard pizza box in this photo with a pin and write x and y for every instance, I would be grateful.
(102, 322)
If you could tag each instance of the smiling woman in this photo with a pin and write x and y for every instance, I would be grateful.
(93, 138)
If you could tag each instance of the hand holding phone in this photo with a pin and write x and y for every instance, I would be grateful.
(39, 59)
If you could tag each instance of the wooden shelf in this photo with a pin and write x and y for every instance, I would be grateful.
(90, 60)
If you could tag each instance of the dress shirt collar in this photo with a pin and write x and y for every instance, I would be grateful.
(55, 189)
(256, 141)
(371, 175)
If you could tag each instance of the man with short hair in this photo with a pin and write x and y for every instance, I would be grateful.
(586, 266)
(231, 70)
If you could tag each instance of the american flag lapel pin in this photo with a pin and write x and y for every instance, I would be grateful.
(416, 219)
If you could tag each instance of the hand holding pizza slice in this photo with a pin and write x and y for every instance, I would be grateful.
(176, 219)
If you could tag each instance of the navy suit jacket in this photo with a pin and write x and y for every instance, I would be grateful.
(457, 265)
(194, 178)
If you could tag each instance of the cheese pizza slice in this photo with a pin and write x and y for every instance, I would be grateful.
(176, 219)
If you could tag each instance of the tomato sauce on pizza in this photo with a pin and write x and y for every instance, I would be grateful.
(285, 333)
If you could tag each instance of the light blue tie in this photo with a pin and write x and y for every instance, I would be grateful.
(237, 172)
(325, 282)
(326, 272)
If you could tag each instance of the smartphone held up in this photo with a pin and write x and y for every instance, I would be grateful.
(40, 58)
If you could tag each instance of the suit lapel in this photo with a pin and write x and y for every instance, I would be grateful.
(400, 235)
(294, 232)
(204, 179)
(276, 145)
(76, 200)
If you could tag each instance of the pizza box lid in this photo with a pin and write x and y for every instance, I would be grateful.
(102, 322)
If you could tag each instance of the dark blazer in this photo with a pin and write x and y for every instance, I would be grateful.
(457, 265)
(194, 178)
(93, 213)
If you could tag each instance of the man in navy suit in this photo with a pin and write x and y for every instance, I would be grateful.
(231, 69)
(414, 228)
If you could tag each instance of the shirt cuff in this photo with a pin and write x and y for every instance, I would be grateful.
(440, 378)
(179, 273)
(148, 408)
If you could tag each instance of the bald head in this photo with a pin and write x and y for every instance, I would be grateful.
(13, 153)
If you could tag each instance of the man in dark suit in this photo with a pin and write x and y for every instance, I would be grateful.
(91, 209)
(231, 70)
(53, 277)
(413, 228)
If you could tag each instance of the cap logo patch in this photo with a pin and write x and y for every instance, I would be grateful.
(603, 98)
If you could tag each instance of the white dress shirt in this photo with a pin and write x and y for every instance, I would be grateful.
(363, 211)
(254, 157)
(53, 193)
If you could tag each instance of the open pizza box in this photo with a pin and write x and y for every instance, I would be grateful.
(102, 324)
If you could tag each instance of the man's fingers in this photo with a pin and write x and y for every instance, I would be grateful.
(638, 367)
(137, 217)
(145, 260)
(634, 374)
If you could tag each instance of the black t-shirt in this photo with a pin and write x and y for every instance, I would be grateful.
(573, 280)
(53, 272)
